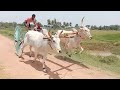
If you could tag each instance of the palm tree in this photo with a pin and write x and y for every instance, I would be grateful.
(76, 25)
(48, 22)
(64, 24)
(70, 24)
(52, 22)
(55, 21)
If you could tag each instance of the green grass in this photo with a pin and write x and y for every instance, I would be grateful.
(107, 63)
(104, 41)
(106, 36)
(8, 32)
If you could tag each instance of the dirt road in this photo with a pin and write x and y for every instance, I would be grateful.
(56, 66)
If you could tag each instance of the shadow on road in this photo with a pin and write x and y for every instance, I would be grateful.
(64, 58)
(52, 74)
(38, 66)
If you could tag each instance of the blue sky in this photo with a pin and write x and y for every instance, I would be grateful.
(91, 17)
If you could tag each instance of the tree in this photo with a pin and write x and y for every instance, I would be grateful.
(48, 22)
(60, 24)
(88, 26)
(67, 24)
(55, 22)
(52, 22)
(64, 24)
(94, 27)
(76, 26)
(100, 27)
(70, 24)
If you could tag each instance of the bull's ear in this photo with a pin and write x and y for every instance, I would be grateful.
(80, 29)
(76, 33)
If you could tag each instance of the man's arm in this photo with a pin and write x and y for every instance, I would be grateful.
(35, 22)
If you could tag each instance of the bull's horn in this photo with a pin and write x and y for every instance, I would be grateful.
(82, 21)
(49, 33)
(61, 33)
(45, 38)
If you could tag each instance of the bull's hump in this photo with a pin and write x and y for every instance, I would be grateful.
(34, 33)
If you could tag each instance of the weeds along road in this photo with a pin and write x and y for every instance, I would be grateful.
(56, 66)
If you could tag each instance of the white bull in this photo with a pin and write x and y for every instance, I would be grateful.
(40, 43)
(72, 39)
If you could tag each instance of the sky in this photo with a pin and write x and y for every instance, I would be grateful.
(91, 17)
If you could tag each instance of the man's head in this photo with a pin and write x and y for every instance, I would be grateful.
(33, 16)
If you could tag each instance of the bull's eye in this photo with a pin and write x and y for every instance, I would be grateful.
(54, 41)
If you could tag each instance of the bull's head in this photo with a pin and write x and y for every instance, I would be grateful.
(54, 42)
(84, 30)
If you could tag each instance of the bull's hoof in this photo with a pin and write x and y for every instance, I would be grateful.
(45, 70)
(81, 52)
(69, 55)
(20, 56)
(21, 60)
(49, 53)
(76, 52)
(66, 52)
(33, 61)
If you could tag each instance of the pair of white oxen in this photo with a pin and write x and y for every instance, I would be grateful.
(40, 42)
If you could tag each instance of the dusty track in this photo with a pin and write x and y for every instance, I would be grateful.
(56, 66)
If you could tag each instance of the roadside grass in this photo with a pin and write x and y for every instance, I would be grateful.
(103, 41)
(108, 63)
(8, 33)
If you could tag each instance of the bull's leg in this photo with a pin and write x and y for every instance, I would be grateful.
(30, 51)
(22, 48)
(43, 62)
(81, 49)
(68, 50)
(76, 50)
(23, 45)
(36, 53)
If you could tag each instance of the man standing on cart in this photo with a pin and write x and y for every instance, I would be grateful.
(30, 20)
(37, 25)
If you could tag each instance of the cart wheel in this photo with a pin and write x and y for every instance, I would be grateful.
(17, 41)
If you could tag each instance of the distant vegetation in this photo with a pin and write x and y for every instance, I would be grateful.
(54, 24)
